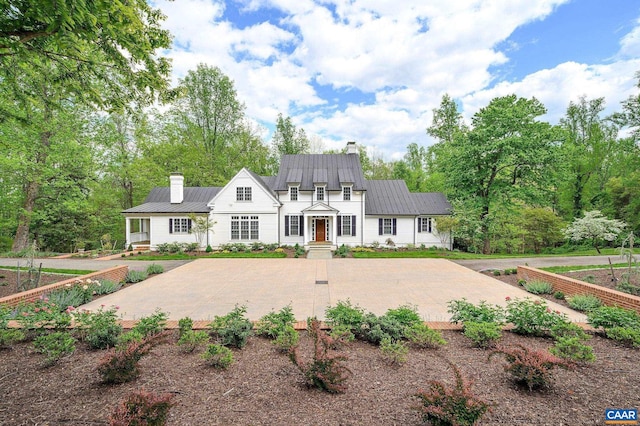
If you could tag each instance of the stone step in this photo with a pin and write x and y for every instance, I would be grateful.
(319, 253)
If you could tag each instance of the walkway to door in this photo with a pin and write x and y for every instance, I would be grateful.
(208, 287)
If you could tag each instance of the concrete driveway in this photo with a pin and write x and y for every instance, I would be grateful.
(208, 287)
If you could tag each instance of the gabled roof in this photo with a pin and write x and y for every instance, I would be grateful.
(262, 181)
(432, 203)
(389, 197)
(159, 201)
(307, 169)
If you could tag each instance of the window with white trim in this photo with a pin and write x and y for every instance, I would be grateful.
(319, 193)
(243, 193)
(425, 224)
(244, 228)
(179, 225)
(387, 226)
(346, 225)
(293, 193)
(346, 193)
(294, 225)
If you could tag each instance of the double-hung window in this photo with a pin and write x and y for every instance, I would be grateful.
(425, 224)
(387, 226)
(346, 193)
(179, 225)
(294, 225)
(243, 193)
(346, 225)
(244, 228)
(319, 193)
(293, 193)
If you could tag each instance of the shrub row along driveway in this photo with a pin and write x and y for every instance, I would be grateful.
(208, 287)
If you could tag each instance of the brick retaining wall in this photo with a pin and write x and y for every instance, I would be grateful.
(571, 287)
(117, 274)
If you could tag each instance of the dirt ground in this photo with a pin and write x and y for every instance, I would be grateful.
(9, 280)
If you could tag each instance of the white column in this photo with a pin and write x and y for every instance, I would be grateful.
(127, 233)
(334, 230)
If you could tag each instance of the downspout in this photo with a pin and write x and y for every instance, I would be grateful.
(362, 220)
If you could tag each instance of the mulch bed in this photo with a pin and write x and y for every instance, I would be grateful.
(264, 388)
(9, 280)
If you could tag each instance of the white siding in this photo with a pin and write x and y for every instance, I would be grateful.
(430, 239)
(405, 228)
(267, 229)
(159, 232)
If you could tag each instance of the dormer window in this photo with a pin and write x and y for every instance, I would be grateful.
(346, 193)
(243, 193)
(293, 193)
(319, 193)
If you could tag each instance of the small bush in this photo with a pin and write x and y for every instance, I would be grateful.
(497, 273)
(153, 324)
(286, 338)
(522, 283)
(406, 315)
(142, 408)
(627, 336)
(10, 336)
(422, 336)
(345, 314)
(106, 287)
(393, 352)
(626, 287)
(135, 276)
(538, 287)
(129, 337)
(589, 279)
(273, 323)
(218, 356)
(208, 249)
(120, 364)
(584, 302)
(184, 325)
(558, 295)
(483, 334)
(55, 346)
(613, 316)
(443, 405)
(326, 371)
(375, 328)
(572, 349)
(154, 268)
(532, 317)
(101, 329)
(568, 329)
(234, 328)
(74, 295)
(341, 334)
(531, 367)
(191, 339)
(463, 311)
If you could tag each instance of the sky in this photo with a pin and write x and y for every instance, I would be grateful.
(372, 71)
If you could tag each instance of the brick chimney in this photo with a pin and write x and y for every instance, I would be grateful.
(177, 188)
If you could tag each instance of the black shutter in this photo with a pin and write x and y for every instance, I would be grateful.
(171, 226)
(380, 226)
(419, 225)
(286, 226)
(301, 222)
(353, 226)
(339, 226)
(394, 226)
(189, 225)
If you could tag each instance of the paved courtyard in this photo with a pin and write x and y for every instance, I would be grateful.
(208, 287)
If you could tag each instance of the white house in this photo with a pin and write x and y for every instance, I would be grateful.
(315, 199)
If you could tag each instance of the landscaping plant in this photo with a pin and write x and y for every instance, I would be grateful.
(152, 324)
(531, 367)
(55, 346)
(120, 364)
(218, 356)
(572, 349)
(41, 316)
(443, 405)
(136, 276)
(345, 314)
(626, 335)
(464, 311)
(613, 316)
(584, 302)
(406, 315)
(234, 328)
(106, 287)
(327, 370)
(532, 317)
(538, 287)
(154, 268)
(286, 339)
(483, 334)
(393, 352)
(190, 340)
(185, 325)
(101, 329)
(375, 328)
(274, 323)
(422, 336)
(142, 408)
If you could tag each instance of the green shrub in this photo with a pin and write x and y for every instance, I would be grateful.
(626, 287)
(531, 367)
(327, 370)
(142, 408)
(129, 337)
(613, 316)
(442, 405)
(163, 248)
(572, 349)
(532, 317)
(153, 324)
(5, 243)
(286, 338)
(154, 268)
(234, 328)
(273, 323)
(393, 352)
(422, 336)
(497, 273)
(568, 329)
(120, 364)
(589, 279)
(106, 287)
(584, 302)
(191, 339)
(406, 315)
(538, 287)
(341, 334)
(483, 334)
(625, 335)
(522, 283)
(136, 276)
(184, 325)
(208, 249)
(558, 295)
(55, 346)
(345, 314)
(43, 316)
(101, 329)
(218, 356)
(73, 295)
(464, 311)
(10, 336)
(375, 328)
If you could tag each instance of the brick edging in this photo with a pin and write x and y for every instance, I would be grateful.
(116, 273)
(572, 286)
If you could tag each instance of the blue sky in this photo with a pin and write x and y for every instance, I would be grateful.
(373, 70)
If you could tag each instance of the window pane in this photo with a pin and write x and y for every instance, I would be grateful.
(294, 225)
(346, 193)
(293, 193)
(247, 193)
(346, 225)
(254, 228)
(239, 193)
(320, 193)
(387, 226)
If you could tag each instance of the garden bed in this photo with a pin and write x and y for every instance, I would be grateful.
(263, 387)
(9, 280)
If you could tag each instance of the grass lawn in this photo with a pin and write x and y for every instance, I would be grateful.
(53, 270)
(183, 256)
(563, 269)
(456, 255)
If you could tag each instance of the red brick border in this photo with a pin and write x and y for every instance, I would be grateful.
(571, 287)
(117, 274)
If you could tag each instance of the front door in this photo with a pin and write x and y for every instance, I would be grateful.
(321, 230)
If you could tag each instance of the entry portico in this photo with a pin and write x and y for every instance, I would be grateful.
(320, 225)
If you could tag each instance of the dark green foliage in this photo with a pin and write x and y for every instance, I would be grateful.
(584, 302)
(55, 346)
(532, 317)
(483, 334)
(218, 356)
(273, 323)
(625, 287)
(572, 349)
(286, 338)
(497, 273)
(208, 249)
(558, 295)
(443, 405)
(101, 329)
(141, 408)
(422, 336)
(342, 251)
(568, 329)
(150, 325)
(120, 364)
(374, 328)
(406, 315)
(191, 339)
(345, 314)
(326, 370)
(613, 316)
(626, 335)
(531, 367)
(232, 329)
(463, 311)
(10, 336)
(184, 325)
(394, 352)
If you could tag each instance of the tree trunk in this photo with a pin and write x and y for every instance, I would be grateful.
(24, 220)
(486, 246)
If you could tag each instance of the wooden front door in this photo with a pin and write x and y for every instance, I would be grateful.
(321, 228)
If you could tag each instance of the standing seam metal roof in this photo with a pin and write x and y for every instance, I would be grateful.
(313, 167)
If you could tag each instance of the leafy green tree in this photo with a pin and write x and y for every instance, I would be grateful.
(287, 139)
(542, 227)
(413, 168)
(595, 227)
